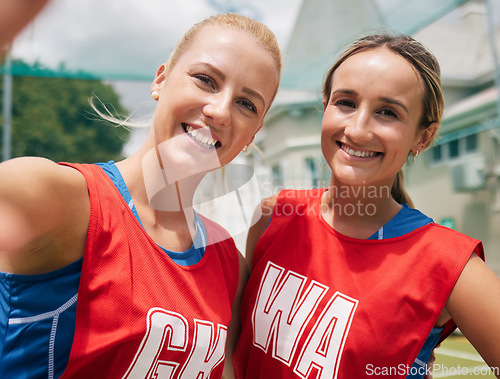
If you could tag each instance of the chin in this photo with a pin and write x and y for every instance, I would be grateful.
(348, 176)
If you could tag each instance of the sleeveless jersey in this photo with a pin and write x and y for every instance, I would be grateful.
(139, 314)
(320, 304)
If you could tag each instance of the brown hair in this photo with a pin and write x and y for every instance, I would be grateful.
(424, 62)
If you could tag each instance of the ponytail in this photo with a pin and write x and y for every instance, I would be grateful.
(398, 191)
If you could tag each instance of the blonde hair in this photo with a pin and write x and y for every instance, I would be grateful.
(236, 21)
(424, 62)
(258, 30)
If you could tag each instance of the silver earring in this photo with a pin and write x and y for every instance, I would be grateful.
(245, 148)
(415, 156)
(155, 95)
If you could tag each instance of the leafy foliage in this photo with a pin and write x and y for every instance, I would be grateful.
(52, 118)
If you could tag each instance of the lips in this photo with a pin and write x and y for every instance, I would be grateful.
(201, 136)
(358, 153)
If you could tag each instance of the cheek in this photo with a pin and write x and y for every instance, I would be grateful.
(246, 130)
(401, 146)
(161, 119)
(410, 141)
(332, 119)
(329, 127)
(240, 137)
(328, 142)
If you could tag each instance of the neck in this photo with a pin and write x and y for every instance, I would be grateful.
(165, 208)
(358, 210)
(151, 184)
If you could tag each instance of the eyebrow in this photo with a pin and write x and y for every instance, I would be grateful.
(251, 92)
(395, 102)
(383, 98)
(245, 90)
(213, 68)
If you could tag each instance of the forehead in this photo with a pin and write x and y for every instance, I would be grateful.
(234, 52)
(380, 69)
(230, 46)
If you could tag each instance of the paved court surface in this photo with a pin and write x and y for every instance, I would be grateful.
(456, 358)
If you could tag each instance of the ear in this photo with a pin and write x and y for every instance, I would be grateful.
(427, 136)
(325, 103)
(160, 77)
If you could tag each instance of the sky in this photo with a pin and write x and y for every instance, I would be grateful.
(131, 37)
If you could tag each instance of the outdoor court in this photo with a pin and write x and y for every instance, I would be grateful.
(456, 358)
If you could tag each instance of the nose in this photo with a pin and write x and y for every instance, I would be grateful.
(358, 127)
(218, 109)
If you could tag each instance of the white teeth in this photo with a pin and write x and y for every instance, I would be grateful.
(200, 138)
(360, 154)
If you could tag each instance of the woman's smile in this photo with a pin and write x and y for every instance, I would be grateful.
(358, 153)
(201, 136)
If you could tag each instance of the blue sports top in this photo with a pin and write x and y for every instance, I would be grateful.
(405, 221)
(37, 322)
(38, 312)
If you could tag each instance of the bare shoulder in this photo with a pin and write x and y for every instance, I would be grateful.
(42, 206)
(29, 173)
(261, 218)
(32, 182)
(474, 305)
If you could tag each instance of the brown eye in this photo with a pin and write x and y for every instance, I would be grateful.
(388, 113)
(345, 103)
(205, 80)
(249, 105)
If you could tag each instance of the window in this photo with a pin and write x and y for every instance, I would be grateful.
(471, 143)
(311, 172)
(437, 153)
(277, 175)
(454, 149)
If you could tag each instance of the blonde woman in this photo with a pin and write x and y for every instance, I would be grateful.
(107, 271)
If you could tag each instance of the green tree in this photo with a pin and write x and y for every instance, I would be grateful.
(52, 118)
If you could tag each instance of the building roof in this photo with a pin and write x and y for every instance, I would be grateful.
(461, 43)
(324, 27)
(473, 114)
